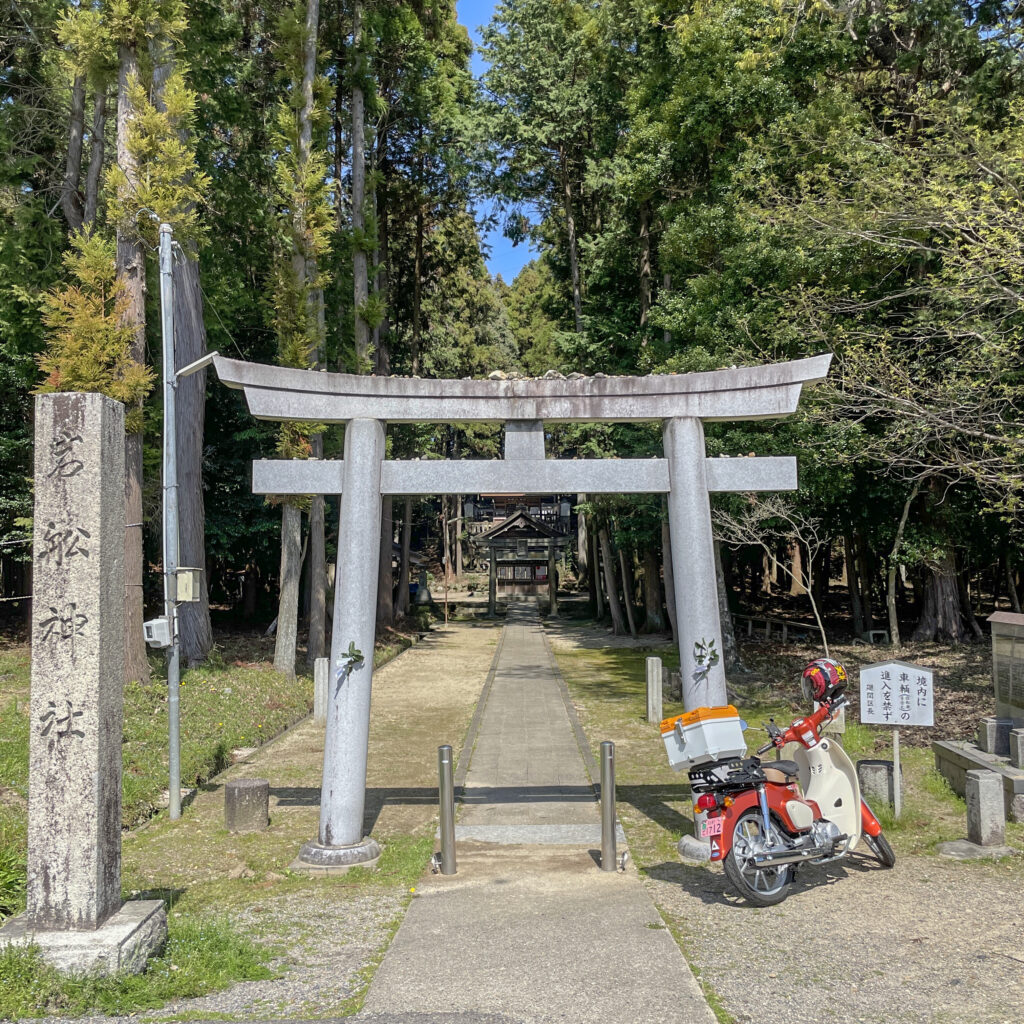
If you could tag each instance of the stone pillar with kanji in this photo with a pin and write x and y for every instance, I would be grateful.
(74, 909)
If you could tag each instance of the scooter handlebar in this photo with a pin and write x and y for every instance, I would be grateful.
(774, 735)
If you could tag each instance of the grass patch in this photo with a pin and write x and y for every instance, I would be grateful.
(201, 956)
(12, 868)
(711, 997)
(14, 724)
(402, 860)
(209, 876)
(224, 705)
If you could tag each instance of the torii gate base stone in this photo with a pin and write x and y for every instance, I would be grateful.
(366, 404)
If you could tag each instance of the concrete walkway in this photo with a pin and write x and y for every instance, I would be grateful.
(527, 782)
(529, 929)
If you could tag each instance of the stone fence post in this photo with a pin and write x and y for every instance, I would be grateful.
(321, 675)
(654, 705)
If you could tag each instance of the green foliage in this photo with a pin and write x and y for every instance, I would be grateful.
(84, 32)
(467, 331)
(12, 880)
(305, 219)
(138, 22)
(31, 139)
(746, 181)
(780, 181)
(90, 344)
(532, 304)
(351, 657)
(171, 186)
(927, 317)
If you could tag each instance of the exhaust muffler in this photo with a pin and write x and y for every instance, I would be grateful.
(768, 860)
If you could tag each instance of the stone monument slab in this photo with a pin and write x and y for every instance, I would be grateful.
(77, 663)
(994, 735)
(877, 779)
(1017, 748)
(74, 911)
(1008, 664)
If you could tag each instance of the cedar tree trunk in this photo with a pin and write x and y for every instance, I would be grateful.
(131, 272)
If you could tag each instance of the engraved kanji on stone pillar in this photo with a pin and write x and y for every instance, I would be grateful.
(74, 830)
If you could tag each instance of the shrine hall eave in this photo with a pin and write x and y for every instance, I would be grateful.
(738, 393)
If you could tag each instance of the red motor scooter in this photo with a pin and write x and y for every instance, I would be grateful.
(763, 820)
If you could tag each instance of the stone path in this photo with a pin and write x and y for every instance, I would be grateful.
(529, 929)
(526, 780)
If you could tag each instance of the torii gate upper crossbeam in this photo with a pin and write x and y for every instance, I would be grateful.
(744, 393)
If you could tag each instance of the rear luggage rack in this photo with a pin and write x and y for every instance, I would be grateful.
(736, 773)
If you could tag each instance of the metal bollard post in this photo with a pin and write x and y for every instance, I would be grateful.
(446, 792)
(608, 806)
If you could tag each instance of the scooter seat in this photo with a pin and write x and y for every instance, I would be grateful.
(784, 771)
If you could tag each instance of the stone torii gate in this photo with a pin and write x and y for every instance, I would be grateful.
(366, 404)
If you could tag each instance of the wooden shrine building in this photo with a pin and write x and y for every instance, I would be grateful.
(522, 551)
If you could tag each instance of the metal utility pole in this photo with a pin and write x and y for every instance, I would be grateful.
(163, 632)
(170, 519)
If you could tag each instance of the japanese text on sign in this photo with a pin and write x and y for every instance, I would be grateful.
(896, 693)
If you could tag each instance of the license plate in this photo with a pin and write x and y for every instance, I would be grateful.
(710, 827)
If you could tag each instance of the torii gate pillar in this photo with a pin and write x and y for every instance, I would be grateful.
(340, 841)
(698, 626)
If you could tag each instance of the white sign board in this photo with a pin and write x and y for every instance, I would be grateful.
(896, 693)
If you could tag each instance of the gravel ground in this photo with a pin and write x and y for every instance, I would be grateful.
(328, 944)
(929, 941)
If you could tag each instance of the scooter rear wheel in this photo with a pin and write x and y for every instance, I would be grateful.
(764, 887)
(880, 847)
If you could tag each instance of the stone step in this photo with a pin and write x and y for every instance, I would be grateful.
(955, 758)
(530, 834)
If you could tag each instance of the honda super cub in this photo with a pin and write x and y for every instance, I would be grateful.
(763, 820)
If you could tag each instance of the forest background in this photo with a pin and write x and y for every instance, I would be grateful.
(706, 184)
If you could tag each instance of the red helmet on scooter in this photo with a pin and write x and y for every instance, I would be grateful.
(825, 678)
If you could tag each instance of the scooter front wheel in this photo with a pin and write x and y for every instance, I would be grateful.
(880, 847)
(766, 886)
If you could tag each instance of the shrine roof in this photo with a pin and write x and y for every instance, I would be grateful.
(516, 522)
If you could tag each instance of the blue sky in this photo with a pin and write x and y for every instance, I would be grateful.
(505, 259)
